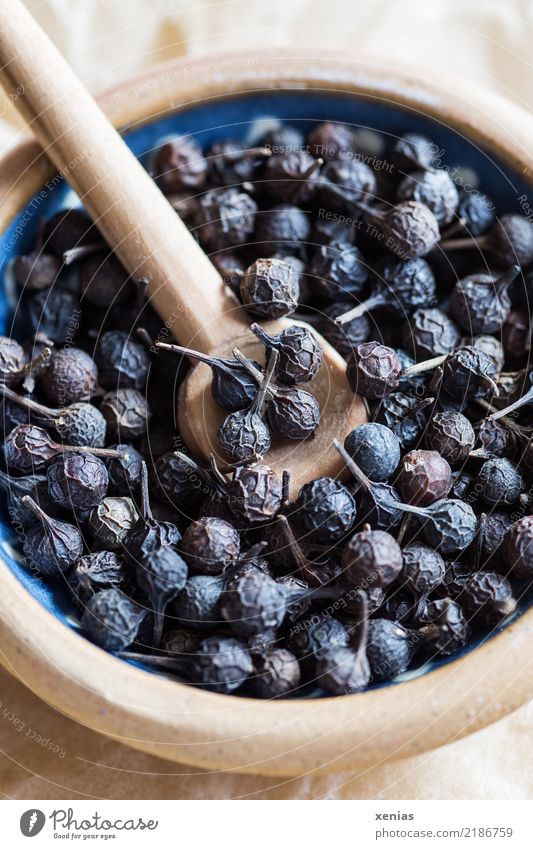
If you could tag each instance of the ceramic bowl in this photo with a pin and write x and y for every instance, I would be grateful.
(211, 99)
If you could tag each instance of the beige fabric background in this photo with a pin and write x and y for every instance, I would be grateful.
(45, 755)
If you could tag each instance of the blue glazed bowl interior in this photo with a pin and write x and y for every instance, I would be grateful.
(241, 118)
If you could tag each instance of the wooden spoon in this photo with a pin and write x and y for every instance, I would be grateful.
(152, 242)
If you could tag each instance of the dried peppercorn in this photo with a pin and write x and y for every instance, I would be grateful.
(231, 162)
(126, 412)
(283, 227)
(331, 141)
(452, 435)
(399, 288)
(389, 649)
(12, 360)
(518, 548)
(300, 355)
(424, 477)
(445, 629)
(77, 481)
(292, 413)
(255, 494)
(338, 270)
(405, 414)
(67, 229)
(111, 521)
(373, 370)
(412, 151)
(121, 361)
(423, 570)
(434, 188)
(487, 597)
(309, 636)
(290, 177)
(253, 603)
(103, 281)
(343, 337)
(36, 270)
(356, 178)
(243, 435)
(269, 288)
(466, 373)
(510, 240)
(55, 313)
(475, 213)
(78, 424)
(71, 375)
(480, 303)
(232, 387)
(125, 471)
(516, 335)
(377, 503)
(179, 165)
(29, 448)
(147, 534)
(100, 570)
(276, 674)
(51, 546)
(15, 488)
(225, 218)
(371, 559)
(211, 545)
(430, 333)
(375, 449)
(346, 670)
(221, 664)
(180, 480)
(196, 606)
(499, 482)
(324, 510)
(161, 575)
(112, 620)
(449, 525)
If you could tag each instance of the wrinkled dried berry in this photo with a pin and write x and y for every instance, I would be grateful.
(389, 649)
(210, 545)
(452, 435)
(111, 522)
(112, 620)
(373, 370)
(127, 414)
(51, 546)
(269, 288)
(518, 548)
(424, 477)
(371, 559)
(299, 353)
(179, 165)
(324, 509)
(77, 481)
(500, 483)
(487, 597)
(276, 674)
(70, 376)
(375, 449)
(121, 361)
(255, 494)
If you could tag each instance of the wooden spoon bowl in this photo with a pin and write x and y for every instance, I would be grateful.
(179, 722)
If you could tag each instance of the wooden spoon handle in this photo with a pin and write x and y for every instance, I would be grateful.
(129, 210)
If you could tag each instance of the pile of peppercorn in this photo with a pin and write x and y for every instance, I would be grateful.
(212, 574)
